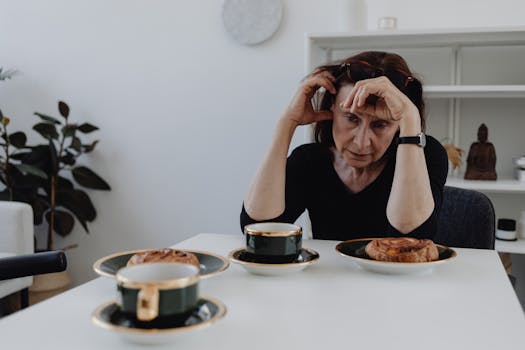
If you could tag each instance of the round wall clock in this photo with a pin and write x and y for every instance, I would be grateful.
(251, 22)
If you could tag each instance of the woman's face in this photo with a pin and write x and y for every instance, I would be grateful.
(361, 139)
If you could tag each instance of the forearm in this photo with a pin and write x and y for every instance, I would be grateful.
(411, 202)
(265, 198)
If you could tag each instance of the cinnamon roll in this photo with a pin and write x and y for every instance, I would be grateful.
(164, 255)
(403, 249)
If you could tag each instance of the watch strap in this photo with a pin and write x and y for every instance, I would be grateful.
(419, 140)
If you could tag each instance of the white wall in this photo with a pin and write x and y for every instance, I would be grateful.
(185, 112)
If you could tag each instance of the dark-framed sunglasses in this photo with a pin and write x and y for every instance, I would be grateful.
(361, 70)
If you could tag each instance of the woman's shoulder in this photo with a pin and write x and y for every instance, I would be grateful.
(310, 147)
(434, 145)
(310, 152)
(436, 156)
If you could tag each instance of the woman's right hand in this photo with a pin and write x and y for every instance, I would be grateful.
(300, 109)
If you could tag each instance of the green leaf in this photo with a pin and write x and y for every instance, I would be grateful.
(30, 169)
(40, 206)
(48, 118)
(68, 159)
(21, 155)
(53, 157)
(18, 139)
(87, 128)
(35, 155)
(64, 222)
(63, 108)
(79, 203)
(69, 130)
(48, 131)
(63, 183)
(88, 178)
(76, 144)
(91, 147)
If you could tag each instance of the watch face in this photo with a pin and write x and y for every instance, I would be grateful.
(422, 140)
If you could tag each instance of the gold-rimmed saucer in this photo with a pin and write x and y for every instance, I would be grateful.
(251, 264)
(108, 316)
(210, 264)
(355, 250)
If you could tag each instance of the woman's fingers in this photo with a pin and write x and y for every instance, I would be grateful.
(323, 79)
(389, 101)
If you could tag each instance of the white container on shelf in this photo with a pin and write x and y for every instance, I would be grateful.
(519, 174)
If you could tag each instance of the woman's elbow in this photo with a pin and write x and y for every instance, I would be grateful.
(407, 224)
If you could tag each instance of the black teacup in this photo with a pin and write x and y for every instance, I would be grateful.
(273, 242)
(157, 290)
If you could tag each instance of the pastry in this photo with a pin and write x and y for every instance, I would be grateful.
(403, 249)
(164, 255)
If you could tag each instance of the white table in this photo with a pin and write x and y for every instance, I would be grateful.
(467, 304)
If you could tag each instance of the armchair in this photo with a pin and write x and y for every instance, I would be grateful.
(16, 238)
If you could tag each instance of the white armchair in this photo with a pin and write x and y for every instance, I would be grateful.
(16, 238)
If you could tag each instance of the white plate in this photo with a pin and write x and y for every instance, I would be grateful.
(354, 250)
(250, 264)
(109, 316)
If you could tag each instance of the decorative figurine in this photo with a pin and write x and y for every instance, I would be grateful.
(481, 160)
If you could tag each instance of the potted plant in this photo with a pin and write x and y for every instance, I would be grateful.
(60, 200)
(48, 176)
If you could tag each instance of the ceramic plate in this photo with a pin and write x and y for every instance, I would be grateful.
(210, 264)
(109, 316)
(355, 251)
(251, 264)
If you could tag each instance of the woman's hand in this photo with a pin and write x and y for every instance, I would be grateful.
(300, 109)
(391, 103)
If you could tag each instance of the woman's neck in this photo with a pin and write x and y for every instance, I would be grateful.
(356, 179)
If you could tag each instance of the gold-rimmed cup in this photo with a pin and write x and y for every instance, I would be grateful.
(157, 290)
(274, 241)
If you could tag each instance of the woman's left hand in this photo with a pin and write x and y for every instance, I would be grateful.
(391, 103)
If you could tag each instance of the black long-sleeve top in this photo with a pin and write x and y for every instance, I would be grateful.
(338, 214)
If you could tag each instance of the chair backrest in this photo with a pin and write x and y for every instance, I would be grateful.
(16, 228)
(466, 220)
(16, 237)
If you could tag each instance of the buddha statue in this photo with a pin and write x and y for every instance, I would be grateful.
(481, 159)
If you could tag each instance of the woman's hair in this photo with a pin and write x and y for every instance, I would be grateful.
(367, 65)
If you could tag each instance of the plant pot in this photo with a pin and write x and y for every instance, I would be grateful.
(47, 285)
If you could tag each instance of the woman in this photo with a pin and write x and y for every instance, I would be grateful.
(369, 173)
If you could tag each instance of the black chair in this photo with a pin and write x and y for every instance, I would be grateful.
(30, 265)
(466, 220)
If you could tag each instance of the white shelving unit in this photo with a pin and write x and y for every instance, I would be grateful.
(513, 247)
(500, 186)
(464, 81)
(475, 91)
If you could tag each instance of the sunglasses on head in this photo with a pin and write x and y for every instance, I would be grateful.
(361, 70)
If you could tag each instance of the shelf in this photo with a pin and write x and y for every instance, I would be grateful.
(515, 247)
(417, 39)
(474, 91)
(499, 186)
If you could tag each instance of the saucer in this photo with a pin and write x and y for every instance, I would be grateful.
(355, 250)
(109, 316)
(253, 265)
(210, 264)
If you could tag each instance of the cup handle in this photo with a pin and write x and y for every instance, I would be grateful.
(148, 303)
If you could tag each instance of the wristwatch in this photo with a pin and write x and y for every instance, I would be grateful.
(420, 140)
